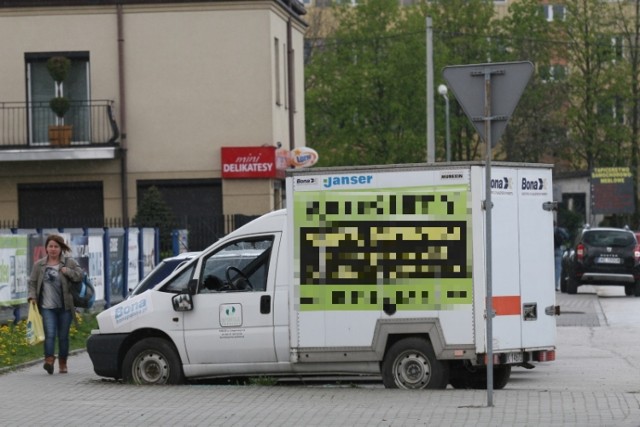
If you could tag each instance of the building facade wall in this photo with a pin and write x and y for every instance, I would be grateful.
(197, 77)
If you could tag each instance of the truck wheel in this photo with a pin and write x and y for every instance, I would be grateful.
(501, 375)
(459, 375)
(572, 285)
(637, 289)
(152, 361)
(411, 364)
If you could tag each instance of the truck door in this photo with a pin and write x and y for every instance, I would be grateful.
(536, 258)
(232, 319)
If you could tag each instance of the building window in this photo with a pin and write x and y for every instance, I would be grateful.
(61, 205)
(553, 12)
(41, 88)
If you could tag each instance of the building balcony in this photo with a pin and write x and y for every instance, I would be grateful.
(25, 135)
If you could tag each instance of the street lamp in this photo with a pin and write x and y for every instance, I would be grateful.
(442, 90)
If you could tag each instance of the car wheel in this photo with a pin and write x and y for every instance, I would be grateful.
(637, 289)
(152, 361)
(563, 283)
(411, 363)
(572, 285)
(629, 290)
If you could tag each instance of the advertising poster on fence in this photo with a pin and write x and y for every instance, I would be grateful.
(148, 250)
(133, 270)
(80, 250)
(96, 265)
(13, 270)
(116, 264)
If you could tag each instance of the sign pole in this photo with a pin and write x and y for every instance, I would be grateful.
(475, 97)
(488, 206)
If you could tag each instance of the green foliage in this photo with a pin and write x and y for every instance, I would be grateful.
(58, 68)
(60, 105)
(153, 211)
(263, 381)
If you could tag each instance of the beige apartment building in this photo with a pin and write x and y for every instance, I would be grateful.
(159, 90)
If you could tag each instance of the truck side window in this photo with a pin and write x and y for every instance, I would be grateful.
(241, 266)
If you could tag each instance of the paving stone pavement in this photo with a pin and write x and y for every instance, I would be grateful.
(592, 383)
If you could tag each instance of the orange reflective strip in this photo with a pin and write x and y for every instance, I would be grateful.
(507, 305)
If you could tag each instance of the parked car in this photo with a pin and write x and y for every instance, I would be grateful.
(602, 256)
(161, 271)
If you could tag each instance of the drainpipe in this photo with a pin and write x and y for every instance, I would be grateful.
(290, 85)
(123, 121)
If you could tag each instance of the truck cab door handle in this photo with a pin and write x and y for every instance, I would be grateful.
(265, 304)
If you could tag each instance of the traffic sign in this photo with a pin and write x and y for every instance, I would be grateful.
(488, 93)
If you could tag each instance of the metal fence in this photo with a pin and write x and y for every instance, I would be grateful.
(202, 231)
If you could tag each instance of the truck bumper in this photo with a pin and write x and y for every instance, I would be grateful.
(104, 351)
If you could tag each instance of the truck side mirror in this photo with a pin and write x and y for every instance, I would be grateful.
(182, 302)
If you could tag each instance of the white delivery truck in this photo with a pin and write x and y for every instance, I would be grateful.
(369, 270)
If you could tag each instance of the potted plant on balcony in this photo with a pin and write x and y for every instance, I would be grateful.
(59, 134)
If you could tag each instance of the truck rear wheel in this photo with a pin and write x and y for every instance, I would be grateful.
(465, 376)
(411, 363)
(152, 361)
(572, 285)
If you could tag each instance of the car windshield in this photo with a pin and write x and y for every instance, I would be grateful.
(612, 238)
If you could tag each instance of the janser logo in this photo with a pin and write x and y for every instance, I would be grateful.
(534, 184)
(333, 181)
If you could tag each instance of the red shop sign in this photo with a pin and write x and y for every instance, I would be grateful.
(250, 162)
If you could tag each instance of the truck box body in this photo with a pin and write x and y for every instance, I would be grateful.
(368, 270)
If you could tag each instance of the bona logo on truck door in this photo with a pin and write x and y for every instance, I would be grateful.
(364, 249)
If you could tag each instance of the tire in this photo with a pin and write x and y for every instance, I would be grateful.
(152, 361)
(411, 364)
(563, 283)
(629, 290)
(475, 377)
(637, 289)
(459, 375)
(572, 285)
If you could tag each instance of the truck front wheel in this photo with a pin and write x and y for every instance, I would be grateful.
(152, 361)
(411, 364)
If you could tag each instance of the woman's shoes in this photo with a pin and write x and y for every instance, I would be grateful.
(48, 364)
(62, 363)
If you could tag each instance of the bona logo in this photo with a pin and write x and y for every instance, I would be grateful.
(536, 184)
(332, 181)
(125, 312)
(501, 184)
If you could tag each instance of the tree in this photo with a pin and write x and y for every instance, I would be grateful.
(627, 16)
(597, 136)
(537, 128)
(153, 211)
(462, 35)
(362, 105)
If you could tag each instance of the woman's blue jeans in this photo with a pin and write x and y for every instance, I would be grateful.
(56, 322)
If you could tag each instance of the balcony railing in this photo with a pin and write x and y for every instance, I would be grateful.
(25, 125)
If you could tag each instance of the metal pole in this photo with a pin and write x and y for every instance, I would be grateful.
(488, 207)
(431, 135)
(446, 115)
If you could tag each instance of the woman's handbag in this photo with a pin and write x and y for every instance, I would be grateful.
(35, 329)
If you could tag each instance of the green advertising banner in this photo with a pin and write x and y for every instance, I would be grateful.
(365, 249)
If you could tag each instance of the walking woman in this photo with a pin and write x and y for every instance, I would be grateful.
(49, 285)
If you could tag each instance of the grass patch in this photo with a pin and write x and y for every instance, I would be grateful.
(14, 349)
(263, 381)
